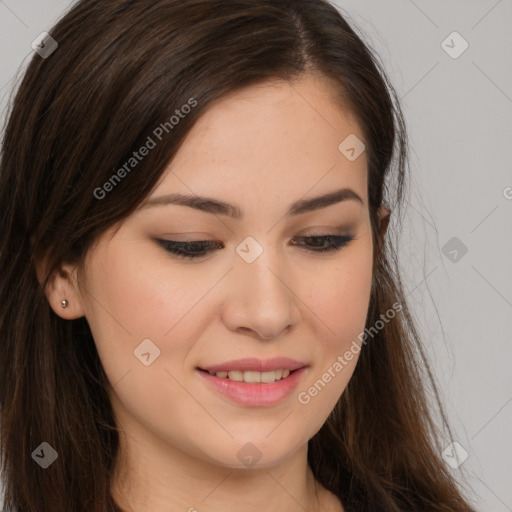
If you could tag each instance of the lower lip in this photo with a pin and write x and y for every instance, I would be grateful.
(255, 395)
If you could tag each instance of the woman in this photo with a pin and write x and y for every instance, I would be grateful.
(201, 309)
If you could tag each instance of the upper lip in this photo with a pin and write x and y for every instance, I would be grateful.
(255, 365)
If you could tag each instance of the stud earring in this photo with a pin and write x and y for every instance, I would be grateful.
(64, 303)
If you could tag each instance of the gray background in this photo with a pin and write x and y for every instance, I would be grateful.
(459, 115)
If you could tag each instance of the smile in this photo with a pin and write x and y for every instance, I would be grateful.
(253, 388)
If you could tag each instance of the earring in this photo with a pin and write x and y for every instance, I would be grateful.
(64, 303)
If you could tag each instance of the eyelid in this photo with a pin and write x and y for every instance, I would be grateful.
(310, 231)
(197, 236)
(324, 230)
(193, 236)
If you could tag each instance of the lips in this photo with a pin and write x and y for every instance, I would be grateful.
(253, 394)
(252, 382)
(255, 365)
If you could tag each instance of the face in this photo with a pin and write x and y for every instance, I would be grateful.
(280, 287)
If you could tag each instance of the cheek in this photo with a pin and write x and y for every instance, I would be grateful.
(131, 302)
(138, 300)
(339, 295)
(127, 302)
(340, 300)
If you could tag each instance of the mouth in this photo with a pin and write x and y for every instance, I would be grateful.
(250, 388)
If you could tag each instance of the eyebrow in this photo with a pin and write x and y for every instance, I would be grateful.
(210, 205)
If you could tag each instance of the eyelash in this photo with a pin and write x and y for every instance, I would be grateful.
(179, 249)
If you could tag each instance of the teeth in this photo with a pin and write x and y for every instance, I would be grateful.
(253, 377)
(236, 375)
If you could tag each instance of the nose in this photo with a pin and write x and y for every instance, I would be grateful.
(262, 300)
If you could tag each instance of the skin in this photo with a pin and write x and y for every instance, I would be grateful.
(262, 149)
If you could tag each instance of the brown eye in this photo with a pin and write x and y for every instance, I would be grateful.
(191, 249)
(326, 243)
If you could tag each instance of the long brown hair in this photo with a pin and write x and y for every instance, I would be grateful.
(121, 69)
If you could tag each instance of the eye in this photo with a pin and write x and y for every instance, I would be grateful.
(200, 248)
(323, 243)
(191, 249)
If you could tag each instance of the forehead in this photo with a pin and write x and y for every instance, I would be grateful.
(306, 110)
(269, 137)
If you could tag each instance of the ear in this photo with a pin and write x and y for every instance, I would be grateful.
(63, 285)
(384, 215)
